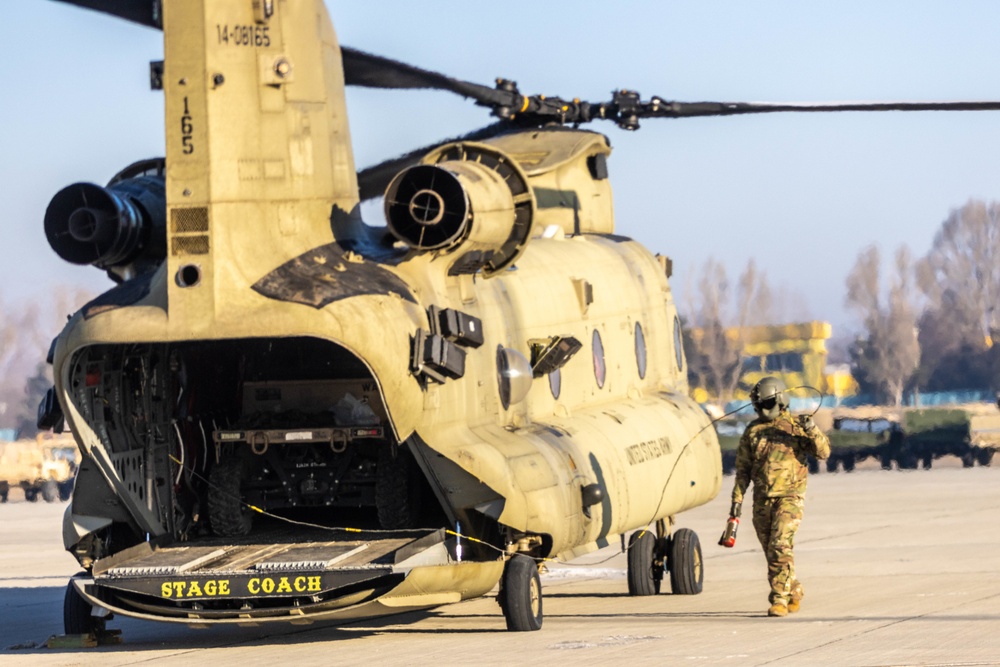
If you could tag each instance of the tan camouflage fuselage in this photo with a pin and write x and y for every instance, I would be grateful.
(266, 249)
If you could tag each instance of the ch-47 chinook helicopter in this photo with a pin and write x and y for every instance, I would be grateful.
(287, 414)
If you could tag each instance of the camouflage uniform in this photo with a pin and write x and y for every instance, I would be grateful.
(773, 455)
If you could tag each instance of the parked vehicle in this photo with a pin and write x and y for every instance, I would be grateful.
(44, 467)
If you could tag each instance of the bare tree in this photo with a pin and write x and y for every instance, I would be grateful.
(887, 354)
(960, 276)
(721, 312)
(963, 267)
(26, 331)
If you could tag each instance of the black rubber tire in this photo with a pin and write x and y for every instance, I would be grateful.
(644, 576)
(50, 491)
(521, 595)
(907, 461)
(968, 459)
(31, 495)
(831, 464)
(813, 465)
(227, 513)
(885, 461)
(849, 462)
(687, 568)
(398, 489)
(76, 614)
(66, 489)
(984, 456)
(4, 491)
(926, 462)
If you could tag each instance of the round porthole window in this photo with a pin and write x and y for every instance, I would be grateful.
(678, 344)
(640, 350)
(555, 382)
(600, 369)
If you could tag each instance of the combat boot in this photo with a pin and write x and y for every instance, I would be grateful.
(778, 609)
(796, 599)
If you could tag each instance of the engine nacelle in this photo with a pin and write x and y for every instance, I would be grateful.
(109, 227)
(467, 197)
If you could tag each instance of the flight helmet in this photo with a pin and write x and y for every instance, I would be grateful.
(768, 398)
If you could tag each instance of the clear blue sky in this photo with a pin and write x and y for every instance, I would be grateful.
(800, 194)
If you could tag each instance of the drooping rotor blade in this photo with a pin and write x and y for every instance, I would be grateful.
(144, 12)
(371, 71)
(626, 109)
(662, 109)
(372, 181)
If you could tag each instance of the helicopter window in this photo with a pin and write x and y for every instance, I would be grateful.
(640, 350)
(555, 383)
(678, 344)
(600, 370)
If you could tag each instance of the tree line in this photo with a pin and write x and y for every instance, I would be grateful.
(927, 324)
(26, 332)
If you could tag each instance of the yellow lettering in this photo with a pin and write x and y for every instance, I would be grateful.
(224, 587)
(267, 585)
(211, 588)
(314, 585)
(165, 589)
(194, 589)
(254, 586)
(284, 586)
(300, 584)
(178, 589)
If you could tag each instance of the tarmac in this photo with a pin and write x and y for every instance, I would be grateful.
(899, 568)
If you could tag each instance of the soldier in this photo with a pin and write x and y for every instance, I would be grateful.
(773, 455)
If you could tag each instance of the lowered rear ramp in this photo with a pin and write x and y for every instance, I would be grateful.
(216, 581)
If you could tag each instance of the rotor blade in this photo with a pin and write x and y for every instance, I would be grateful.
(144, 12)
(372, 181)
(371, 71)
(659, 108)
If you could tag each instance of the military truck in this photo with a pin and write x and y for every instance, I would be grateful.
(907, 437)
(44, 467)
(970, 432)
(858, 434)
(913, 437)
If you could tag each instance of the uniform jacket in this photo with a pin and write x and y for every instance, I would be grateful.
(773, 455)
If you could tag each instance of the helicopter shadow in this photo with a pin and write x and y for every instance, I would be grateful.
(29, 616)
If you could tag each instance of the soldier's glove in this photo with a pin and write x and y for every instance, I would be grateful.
(806, 422)
(735, 510)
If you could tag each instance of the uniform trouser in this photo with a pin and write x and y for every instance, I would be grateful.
(776, 520)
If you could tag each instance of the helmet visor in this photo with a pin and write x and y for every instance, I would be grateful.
(768, 403)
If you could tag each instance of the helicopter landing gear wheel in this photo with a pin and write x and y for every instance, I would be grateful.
(50, 491)
(644, 575)
(520, 595)
(77, 614)
(687, 570)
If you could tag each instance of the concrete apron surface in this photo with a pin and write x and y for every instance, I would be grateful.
(899, 568)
